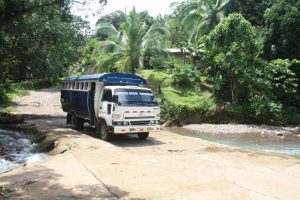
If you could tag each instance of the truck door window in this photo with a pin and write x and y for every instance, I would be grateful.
(107, 96)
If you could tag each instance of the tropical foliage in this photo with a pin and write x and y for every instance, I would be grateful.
(201, 16)
(231, 50)
(128, 44)
(281, 33)
(232, 58)
(252, 10)
(184, 76)
(39, 39)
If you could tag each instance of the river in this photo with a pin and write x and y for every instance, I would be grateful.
(283, 145)
(16, 150)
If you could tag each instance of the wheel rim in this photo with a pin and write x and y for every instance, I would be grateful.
(103, 131)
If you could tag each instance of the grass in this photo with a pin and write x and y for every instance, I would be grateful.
(192, 97)
(7, 189)
(189, 97)
(8, 91)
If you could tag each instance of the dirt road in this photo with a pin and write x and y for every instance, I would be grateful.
(166, 166)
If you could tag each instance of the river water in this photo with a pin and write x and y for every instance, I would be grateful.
(16, 150)
(282, 145)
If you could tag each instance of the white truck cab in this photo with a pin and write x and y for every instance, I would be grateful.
(128, 109)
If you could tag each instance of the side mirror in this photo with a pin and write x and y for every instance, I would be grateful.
(115, 99)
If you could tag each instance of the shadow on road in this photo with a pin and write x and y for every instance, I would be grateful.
(125, 140)
(133, 141)
(46, 183)
(37, 116)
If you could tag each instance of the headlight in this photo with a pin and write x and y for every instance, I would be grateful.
(126, 123)
(152, 122)
(157, 122)
(118, 123)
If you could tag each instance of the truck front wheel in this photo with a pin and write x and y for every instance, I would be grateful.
(103, 129)
(143, 136)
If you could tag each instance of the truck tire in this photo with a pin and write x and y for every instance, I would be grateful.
(103, 130)
(69, 118)
(143, 136)
(77, 122)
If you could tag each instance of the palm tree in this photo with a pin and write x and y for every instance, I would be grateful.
(201, 16)
(127, 45)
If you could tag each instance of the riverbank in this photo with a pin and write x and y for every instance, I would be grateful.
(243, 129)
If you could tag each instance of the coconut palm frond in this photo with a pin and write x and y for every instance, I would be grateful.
(108, 46)
(152, 42)
(130, 40)
(107, 28)
(189, 6)
(122, 64)
(158, 29)
(104, 65)
(121, 37)
(198, 31)
(192, 19)
(201, 16)
(222, 4)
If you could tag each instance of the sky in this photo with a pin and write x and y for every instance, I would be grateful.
(91, 11)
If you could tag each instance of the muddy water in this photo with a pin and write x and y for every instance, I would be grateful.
(283, 145)
(16, 150)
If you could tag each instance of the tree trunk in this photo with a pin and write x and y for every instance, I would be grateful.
(233, 91)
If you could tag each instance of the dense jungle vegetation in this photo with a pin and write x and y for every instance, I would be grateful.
(224, 59)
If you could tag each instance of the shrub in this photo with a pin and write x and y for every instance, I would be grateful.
(283, 80)
(265, 109)
(184, 76)
(291, 115)
(172, 112)
(238, 111)
(157, 62)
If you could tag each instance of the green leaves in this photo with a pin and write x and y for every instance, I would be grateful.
(184, 76)
(231, 49)
(106, 28)
(281, 33)
(283, 80)
(200, 16)
(131, 40)
(41, 40)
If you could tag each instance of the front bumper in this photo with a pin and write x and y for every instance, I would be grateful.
(135, 129)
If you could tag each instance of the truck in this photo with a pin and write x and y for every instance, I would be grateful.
(112, 103)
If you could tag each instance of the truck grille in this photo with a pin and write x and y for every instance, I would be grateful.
(140, 117)
(140, 122)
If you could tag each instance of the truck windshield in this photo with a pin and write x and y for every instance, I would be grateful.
(135, 97)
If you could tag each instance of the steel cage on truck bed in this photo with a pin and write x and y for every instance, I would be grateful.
(78, 92)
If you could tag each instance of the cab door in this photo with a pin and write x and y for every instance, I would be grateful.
(106, 106)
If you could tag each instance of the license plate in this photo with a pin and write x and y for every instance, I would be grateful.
(149, 129)
(131, 129)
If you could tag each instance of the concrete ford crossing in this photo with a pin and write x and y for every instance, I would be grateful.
(113, 103)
